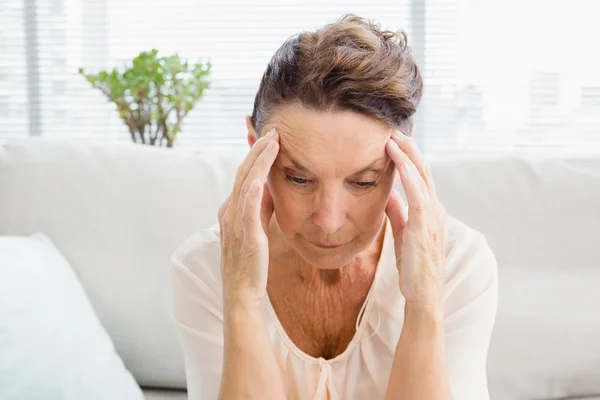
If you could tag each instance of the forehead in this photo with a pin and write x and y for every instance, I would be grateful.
(329, 142)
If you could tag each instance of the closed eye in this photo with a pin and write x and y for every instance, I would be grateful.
(303, 181)
(296, 180)
(365, 185)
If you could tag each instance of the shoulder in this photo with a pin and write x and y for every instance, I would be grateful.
(198, 259)
(471, 266)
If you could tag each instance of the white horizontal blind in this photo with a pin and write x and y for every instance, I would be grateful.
(512, 75)
(13, 70)
(499, 75)
(239, 40)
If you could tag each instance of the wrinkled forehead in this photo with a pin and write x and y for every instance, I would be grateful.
(330, 142)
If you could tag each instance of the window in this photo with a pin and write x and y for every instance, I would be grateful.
(499, 75)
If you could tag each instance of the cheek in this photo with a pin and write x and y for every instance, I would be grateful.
(287, 203)
(370, 208)
(367, 209)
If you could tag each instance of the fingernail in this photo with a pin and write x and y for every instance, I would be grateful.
(271, 144)
(271, 133)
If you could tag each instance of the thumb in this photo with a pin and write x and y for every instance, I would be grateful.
(396, 212)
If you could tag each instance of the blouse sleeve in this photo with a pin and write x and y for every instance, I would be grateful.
(471, 292)
(196, 307)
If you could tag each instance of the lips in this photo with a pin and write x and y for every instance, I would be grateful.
(327, 245)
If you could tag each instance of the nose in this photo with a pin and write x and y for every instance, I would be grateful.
(330, 214)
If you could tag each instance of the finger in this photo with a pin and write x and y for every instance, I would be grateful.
(412, 156)
(251, 215)
(223, 207)
(397, 213)
(266, 207)
(245, 167)
(259, 171)
(221, 215)
(417, 202)
(262, 166)
(400, 158)
(409, 147)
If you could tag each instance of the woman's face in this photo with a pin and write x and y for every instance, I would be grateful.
(330, 183)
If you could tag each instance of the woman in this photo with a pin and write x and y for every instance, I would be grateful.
(319, 282)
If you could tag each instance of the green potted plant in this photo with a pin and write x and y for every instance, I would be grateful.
(153, 94)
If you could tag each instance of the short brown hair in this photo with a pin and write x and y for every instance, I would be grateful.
(349, 65)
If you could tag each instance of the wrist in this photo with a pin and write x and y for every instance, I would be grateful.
(432, 310)
(424, 319)
(241, 309)
(241, 300)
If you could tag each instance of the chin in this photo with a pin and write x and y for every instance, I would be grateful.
(328, 258)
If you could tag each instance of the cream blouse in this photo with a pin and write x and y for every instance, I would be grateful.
(362, 371)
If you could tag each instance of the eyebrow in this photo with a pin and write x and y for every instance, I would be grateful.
(302, 168)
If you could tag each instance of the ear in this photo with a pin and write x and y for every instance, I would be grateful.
(252, 136)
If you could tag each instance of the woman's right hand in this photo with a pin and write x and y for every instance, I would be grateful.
(244, 219)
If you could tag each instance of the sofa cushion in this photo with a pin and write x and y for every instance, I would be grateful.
(52, 345)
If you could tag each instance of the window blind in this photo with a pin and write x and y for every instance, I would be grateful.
(13, 70)
(499, 75)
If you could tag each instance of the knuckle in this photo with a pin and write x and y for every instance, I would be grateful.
(428, 171)
(236, 235)
(248, 217)
(230, 219)
(247, 205)
(421, 206)
(244, 189)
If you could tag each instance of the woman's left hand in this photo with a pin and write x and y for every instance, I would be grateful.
(418, 233)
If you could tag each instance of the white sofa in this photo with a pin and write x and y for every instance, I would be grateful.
(117, 211)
